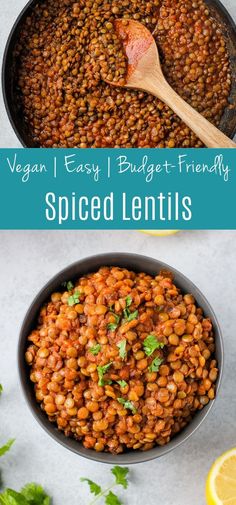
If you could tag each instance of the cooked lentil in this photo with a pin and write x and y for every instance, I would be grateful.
(112, 401)
(66, 48)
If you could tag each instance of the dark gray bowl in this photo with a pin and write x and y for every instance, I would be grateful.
(9, 72)
(137, 263)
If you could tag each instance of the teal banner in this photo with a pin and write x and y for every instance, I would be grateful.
(117, 189)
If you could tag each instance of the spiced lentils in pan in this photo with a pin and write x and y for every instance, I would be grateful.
(66, 49)
(121, 360)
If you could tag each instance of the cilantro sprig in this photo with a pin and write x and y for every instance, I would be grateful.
(102, 370)
(155, 365)
(127, 405)
(122, 348)
(121, 479)
(1, 389)
(74, 299)
(150, 344)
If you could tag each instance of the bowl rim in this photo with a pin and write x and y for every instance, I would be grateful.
(225, 13)
(132, 457)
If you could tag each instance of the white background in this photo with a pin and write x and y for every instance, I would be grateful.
(28, 260)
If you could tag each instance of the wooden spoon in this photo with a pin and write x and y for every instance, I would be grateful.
(144, 72)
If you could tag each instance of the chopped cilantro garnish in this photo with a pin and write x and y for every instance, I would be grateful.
(150, 344)
(155, 365)
(95, 349)
(102, 370)
(128, 300)
(68, 285)
(122, 383)
(129, 316)
(74, 299)
(122, 348)
(127, 404)
(113, 326)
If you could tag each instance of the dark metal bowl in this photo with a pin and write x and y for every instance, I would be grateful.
(139, 264)
(228, 121)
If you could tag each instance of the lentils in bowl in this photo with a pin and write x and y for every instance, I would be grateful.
(66, 49)
(122, 360)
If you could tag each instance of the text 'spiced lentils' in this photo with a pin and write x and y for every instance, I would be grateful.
(67, 48)
(122, 360)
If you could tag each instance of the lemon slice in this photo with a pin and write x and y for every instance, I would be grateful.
(160, 233)
(221, 480)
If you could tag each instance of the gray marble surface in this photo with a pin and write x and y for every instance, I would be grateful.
(28, 260)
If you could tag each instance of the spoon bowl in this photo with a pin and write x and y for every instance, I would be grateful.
(144, 72)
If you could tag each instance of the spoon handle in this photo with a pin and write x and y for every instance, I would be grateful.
(206, 131)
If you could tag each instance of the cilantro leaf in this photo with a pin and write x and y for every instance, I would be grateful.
(95, 349)
(127, 404)
(129, 316)
(101, 372)
(35, 495)
(133, 315)
(73, 299)
(112, 499)
(112, 326)
(94, 488)
(122, 383)
(121, 474)
(68, 285)
(11, 497)
(5, 448)
(1, 388)
(128, 300)
(155, 365)
(122, 348)
(150, 344)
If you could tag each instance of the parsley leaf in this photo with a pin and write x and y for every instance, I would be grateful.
(128, 300)
(112, 499)
(127, 404)
(155, 365)
(121, 474)
(150, 344)
(35, 495)
(95, 349)
(94, 488)
(1, 388)
(122, 383)
(5, 448)
(101, 372)
(122, 348)
(73, 299)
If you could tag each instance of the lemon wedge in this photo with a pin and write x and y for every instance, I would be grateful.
(221, 480)
(160, 233)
